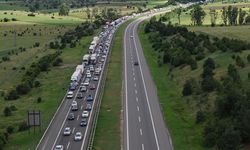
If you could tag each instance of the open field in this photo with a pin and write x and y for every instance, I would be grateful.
(54, 85)
(110, 111)
(186, 19)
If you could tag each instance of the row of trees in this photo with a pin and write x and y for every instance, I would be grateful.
(233, 15)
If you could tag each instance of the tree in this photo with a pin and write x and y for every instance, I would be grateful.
(213, 14)
(94, 12)
(229, 15)
(187, 88)
(197, 15)
(178, 12)
(242, 15)
(234, 15)
(88, 13)
(7, 111)
(248, 58)
(63, 10)
(224, 15)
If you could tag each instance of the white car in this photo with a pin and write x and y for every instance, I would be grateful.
(86, 83)
(88, 75)
(70, 94)
(67, 131)
(78, 136)
(95, 78)
(59, 147)
(85, 114)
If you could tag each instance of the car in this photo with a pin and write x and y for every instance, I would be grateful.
(102, 60)
(83, 88)
(88, 71)
(91, 69)
(67, 131)
(70, 94)
(88, 106)
(71, 116)
(59, 147)
(136, 63)
(86, 83)
(92, 87)
(78, 136)
(89, 98)
(85, 114)
(131, 36)
(79, 95)
(88, 75)
(83, 122)
(95, 78)
(74, 106)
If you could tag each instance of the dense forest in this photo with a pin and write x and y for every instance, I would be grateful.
(226, 124)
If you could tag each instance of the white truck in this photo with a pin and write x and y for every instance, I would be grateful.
(85, 59)
(76, 76)
(80, 68)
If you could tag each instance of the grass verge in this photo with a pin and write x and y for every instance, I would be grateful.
(186, 135)
(107, 135)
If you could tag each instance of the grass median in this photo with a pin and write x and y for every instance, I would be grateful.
(108, 131)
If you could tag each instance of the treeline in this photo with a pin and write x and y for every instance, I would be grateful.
(177, 46)
(226, 125)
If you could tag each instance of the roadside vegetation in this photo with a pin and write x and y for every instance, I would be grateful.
(202, 83)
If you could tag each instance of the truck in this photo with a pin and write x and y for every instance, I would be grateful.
(76, 76)
(93, 58)
(80, 68)
(85, 59)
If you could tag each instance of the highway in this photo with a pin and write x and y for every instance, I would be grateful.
(53, 135)
(144, 126)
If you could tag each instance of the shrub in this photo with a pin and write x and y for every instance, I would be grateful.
(57, 62)
(5, 58)
(23, 126)
(200, 117)
(10, 129)
(31, 15)
(37, 84)
(13, 108)
(7, 111)
(39, 100)
(12, 95)
(14, 19)
(6, 19)
(23, 88)
(187, 88)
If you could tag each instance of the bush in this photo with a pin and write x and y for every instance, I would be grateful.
(200, 117)
(10, 129)
(31, 15)
(37, 84)
(6, 19)
(5, 58)
(23, 88)
(23, 126)
(39, 100)
(14, 19)
(12, 95)
(187, 88)
(13, 108)
(7, 111)
(57, 62)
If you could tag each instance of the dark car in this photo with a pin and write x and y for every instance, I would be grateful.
(79, 95)
(83, 122)
(71, 116)
(136, 63)
(89, 98)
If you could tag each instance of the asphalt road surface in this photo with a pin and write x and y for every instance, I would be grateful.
(144, 127)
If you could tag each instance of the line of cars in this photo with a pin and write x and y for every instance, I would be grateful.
(83, 90)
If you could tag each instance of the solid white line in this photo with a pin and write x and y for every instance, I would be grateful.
(133, 73)
(135, 91)
(134, 78)
(78, 117)
(81, 107)
(136, 99)
(150, 112)
(73, 131)
(142, 146)
(135, 84)
(138, 109)
(140, 131)
(139, 119)
(68, 145)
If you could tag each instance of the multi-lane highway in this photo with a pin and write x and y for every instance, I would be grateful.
(144, 127)
(54, 134)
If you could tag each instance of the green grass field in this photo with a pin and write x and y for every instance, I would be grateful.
(54, 85)
(108, 132)
(186, 19)
(179, 112)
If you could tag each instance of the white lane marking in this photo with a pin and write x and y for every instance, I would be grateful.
(140, 131)
(73, 130)
(134, 78)
(133, 73)
(60, 130)
(68, 145)
(135, 84)
(142, 146)
(81, 107)
(135, 91)
(139, 118)
(136, 99)
(150, 112)
(138, 109)
(78, 117)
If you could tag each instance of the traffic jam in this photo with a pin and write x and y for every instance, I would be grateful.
(84, 86)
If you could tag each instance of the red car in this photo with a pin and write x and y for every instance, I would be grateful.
(92, 87)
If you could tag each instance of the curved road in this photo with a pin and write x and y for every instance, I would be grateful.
(144, 126)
